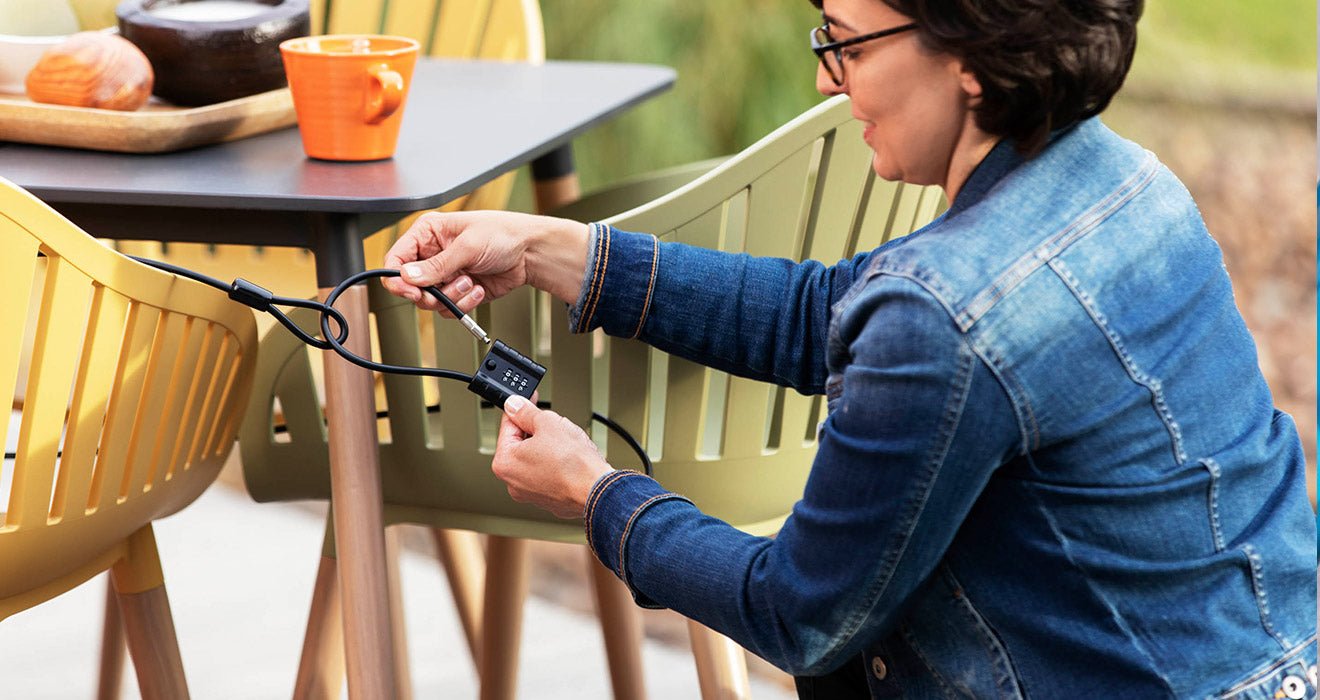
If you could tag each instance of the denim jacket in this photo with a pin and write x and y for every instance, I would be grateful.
(1051, 466)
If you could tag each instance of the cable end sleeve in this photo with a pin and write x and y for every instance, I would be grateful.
(245, 292)
(474, 329)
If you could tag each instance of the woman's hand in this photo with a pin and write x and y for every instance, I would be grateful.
(473, 256)
(545, 459)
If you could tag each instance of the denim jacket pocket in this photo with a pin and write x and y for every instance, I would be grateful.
(943, 649)
(1290, 677)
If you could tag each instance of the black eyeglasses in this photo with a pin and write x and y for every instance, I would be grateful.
(830, 52)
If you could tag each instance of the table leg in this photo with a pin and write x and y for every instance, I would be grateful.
(355, 491)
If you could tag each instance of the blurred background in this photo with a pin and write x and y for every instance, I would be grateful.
(1223, 91)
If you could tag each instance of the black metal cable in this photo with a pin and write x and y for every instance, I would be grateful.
(609, 424)
(261, 299)
(337, 345)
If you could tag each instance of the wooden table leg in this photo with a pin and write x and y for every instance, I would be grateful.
(356, 497)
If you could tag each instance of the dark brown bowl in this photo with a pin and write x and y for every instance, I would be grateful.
(203, 62)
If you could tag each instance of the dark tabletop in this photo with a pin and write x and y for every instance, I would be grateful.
(464, 123)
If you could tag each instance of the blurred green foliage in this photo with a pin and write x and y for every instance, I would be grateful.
(744, 67)
(1275, 33)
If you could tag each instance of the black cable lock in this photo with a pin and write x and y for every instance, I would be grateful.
(504, 371)
(501, 374)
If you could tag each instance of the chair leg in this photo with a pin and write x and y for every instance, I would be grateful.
(621, 625)
(721, 665)
(111, 675)
(148, 625)
(554, 180)
(394, 586)
(321, 668)
(464, 563)
(506, 590)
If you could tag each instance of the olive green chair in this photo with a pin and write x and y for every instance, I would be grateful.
(739, 448)
(806, 190)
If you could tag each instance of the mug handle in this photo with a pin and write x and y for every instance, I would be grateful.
(385, 95)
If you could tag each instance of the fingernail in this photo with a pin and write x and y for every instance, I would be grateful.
(513, 404)
(412, 270)
(463, 284)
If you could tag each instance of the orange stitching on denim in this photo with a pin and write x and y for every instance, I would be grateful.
(603, 262)
(594, 497)
(604, 270)
(632, 519)
(595, 276)
(655, 258)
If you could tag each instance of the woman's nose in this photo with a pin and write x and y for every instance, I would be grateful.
(824, 83)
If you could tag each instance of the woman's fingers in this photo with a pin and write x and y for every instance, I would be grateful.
(465, 301)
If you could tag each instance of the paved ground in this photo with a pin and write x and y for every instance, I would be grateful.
(239, 577)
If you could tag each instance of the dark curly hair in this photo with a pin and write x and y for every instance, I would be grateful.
(1042, 64)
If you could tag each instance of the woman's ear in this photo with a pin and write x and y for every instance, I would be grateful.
(968, 82)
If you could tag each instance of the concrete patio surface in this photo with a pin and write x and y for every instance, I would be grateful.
(239, 576)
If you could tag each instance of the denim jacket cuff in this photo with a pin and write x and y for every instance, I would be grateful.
(618, 284)
(616, 502)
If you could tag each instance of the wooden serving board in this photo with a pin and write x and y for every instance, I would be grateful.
(155, 128)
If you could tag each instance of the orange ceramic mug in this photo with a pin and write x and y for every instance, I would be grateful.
(349, 91)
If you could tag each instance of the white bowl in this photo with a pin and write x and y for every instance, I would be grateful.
(18, 55)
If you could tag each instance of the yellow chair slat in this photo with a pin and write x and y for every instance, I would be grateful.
(55, 355)
(459, 31)
(91, 396)
(177, 391)
(121, 419)
(355, 16)
(203, 339)
(415, 20)
(165, 348)
(220, 421)
(18, 267)
(316, 10)
(513, 32)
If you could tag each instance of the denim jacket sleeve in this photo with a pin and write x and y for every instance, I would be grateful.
(764, 318)
(918, 423)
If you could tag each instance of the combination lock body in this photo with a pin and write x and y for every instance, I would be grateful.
(503, 373)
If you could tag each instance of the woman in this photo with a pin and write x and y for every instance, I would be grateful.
(1051, 466)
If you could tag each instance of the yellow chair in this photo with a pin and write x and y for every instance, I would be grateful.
(806, 190)
(134, 387)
